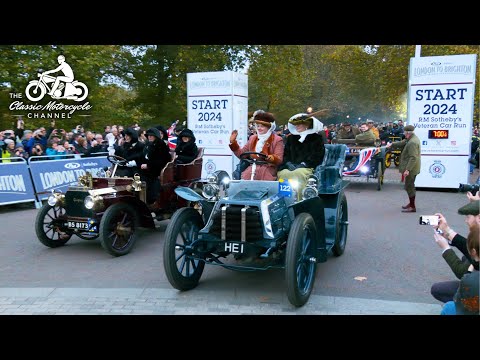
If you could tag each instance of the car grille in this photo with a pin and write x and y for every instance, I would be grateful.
(74, 204)
(233, 228)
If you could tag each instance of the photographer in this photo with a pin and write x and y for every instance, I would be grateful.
(465, 300)
(444, 291)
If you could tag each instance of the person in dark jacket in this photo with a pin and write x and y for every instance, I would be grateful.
(444, 291)
(163, 133)
(186, 150)
(132, 150)
(304, 149)
(155, 156)
(465, 301)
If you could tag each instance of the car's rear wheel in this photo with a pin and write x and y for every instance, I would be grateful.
(379, 175)
(397, 160)
(182, 270)
(118, 229)
(342, 227)
(300, 262)
(49, 228)
(388, 159)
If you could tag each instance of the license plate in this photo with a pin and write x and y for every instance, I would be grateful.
(83, 225)
(236, 248)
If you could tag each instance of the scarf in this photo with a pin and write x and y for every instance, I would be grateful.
(264, 137)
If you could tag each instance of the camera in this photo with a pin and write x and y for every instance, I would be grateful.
(428, 220)
(473, 188)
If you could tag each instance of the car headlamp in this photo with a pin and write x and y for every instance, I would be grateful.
(56, 198)
(210, 190)
(293, 183)
(52, 200)
(309, 192)
(89, 202)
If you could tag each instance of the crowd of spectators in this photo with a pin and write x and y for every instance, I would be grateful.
(52, 142)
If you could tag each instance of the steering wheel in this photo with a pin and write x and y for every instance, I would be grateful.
(117, 160)
(261, 161)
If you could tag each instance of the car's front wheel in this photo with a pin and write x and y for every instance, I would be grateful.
(118, 229)
(300, 262)
(48, 226)
(182, 270)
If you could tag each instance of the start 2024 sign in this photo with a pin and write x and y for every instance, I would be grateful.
(440, 106)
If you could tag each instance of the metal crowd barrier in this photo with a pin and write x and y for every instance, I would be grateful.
(34, 179)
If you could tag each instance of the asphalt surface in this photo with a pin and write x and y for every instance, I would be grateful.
(388, 267)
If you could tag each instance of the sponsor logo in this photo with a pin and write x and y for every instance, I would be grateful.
(72, 165)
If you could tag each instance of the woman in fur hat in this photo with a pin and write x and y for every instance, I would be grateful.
(265, 141)
(186, 150)
(304, 149)
(155, 156)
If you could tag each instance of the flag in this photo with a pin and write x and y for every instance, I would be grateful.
(172, 137)
(365, 155)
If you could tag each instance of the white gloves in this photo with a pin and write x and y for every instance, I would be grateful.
(131, 163)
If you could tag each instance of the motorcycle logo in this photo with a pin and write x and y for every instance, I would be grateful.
(63, 87)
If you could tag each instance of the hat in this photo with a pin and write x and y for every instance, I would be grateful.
(347, 124)
(472, 208)
(409, 128)
(263, 117)
(187, 133)
(8, 141)
(301, 118)
(369, 121)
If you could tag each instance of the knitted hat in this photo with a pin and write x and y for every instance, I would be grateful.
(409, 128)
(8, 141)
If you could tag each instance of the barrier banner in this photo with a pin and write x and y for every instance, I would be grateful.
(61, 173)
(15, 183)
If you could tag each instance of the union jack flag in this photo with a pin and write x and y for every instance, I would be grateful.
(172, 137)
(365, 155)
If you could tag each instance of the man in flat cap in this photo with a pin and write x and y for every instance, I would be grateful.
(409, 164)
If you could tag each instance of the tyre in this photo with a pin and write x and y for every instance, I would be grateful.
(47, 226)
(118, 229)
(183, 272)
(81, 89)
(300, 262)
(34, 93)
(397, 160)
(388, 159)
(379, 175)
(341, 231)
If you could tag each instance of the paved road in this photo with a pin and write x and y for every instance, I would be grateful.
(396, 256)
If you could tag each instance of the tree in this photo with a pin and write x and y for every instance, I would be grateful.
(278, 80)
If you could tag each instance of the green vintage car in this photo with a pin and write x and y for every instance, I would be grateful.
(258, 225)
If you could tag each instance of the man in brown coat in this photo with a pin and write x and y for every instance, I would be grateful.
(409, 163)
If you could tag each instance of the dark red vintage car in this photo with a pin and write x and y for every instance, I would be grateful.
(111, 208)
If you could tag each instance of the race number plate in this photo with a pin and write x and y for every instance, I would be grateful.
(284, 188)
